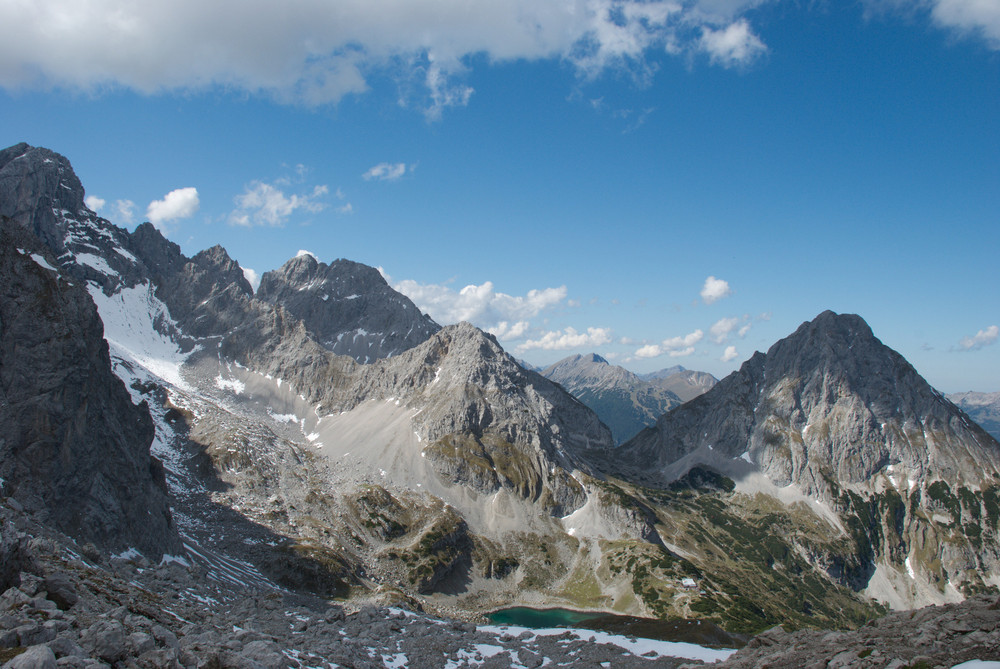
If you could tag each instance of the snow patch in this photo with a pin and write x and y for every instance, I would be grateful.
(95, 262)
(130, 326)
(283, 417)
(746, 457)
(235, 386)
(39, 260)
(125, 254)
(909, 569)
(127, 554)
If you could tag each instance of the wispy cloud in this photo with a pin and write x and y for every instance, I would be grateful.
(386, 172)
(265, 204)
(729, 354)
(986, 337)
(123, 213)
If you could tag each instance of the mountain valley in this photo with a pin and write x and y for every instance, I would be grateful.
(322, 439)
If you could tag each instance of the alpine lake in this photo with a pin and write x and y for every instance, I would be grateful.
(700, 632)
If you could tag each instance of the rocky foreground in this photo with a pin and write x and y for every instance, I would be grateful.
(934, 636)
(68, 606)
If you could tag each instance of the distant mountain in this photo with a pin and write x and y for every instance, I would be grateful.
(984, 408)
(621, 399)
(835, 414)
(685, 383)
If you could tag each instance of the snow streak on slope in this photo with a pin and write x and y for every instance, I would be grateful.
(130, 320)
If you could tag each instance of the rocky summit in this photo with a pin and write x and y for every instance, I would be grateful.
(317, 474)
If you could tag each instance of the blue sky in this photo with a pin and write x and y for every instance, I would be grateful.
(663, 183)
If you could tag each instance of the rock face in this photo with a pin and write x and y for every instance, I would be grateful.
(348, 307)
(621, 399)
(984, 408)
(74, 448)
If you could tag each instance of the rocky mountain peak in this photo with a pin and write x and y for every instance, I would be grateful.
(829, 405)
(347, 306)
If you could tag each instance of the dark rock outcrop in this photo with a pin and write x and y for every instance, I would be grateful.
(74, 449)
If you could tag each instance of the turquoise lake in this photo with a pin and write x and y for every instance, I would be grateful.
(691, 631)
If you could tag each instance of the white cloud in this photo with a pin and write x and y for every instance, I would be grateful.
(509, 331)
(95, 203)
(982, 338)
(561, 340)
(733, 45)
(744, 330)
(304, 252)
(385, 172)
(675, 347)
(729, 354)
(252, 277)
(480, 305)
(714, 290)
(265, 204)
(314, 52)
(177, 204)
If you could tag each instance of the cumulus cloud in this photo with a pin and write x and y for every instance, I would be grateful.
(986, 337)
(480, 305)
(733, 45)
(714, 290)
(177, 204)
(95, 203)
(266, 204)
(729, 354)
(562, 340)
(509, 331)
(312, 52)
(675, 347)
(386, 172)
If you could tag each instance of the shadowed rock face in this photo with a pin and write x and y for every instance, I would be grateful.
(830, 403)
(348, 307)
(74, 449)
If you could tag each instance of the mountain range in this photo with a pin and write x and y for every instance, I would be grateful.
(624, 401)
(334, 440)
